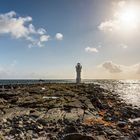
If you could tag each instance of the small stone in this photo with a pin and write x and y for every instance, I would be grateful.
(20, 122)
(35, 135)
(40, 127)
(4, 120)
(100, 138)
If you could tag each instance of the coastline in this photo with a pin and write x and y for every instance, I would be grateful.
(66, 111)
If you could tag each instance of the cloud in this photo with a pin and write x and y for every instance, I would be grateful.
(41, 31)
(44, 38)
(22, 27)
(59, 36)
(111, 67)
(16, 26)
(109, 25)
(125, 71)
(124, 46)
(89, 49)
(125, 17)
(107, 69)
(137, 68)
(121, 3)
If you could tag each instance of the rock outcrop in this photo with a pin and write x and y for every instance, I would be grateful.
(66, 112)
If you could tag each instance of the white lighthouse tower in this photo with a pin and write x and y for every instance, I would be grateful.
(78, 73)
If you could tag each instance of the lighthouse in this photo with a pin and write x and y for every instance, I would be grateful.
(78, 73)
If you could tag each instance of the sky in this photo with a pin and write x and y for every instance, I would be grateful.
(47, 38)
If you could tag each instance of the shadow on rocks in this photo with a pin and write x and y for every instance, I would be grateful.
(77, 137)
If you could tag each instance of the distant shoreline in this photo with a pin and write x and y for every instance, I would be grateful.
(37, 81)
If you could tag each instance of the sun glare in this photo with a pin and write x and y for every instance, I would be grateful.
(128, 17)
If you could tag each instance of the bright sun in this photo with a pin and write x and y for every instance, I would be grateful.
(128, 17)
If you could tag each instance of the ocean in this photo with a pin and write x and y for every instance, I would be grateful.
(128, 90)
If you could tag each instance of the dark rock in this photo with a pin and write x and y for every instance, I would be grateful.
(70, 129)
(32, 111)
(121, 124)
(42, 121)
(13, 100)
(136, 123)
(97, 102)
(111, 131)
(133, 137)
(77, 137)
(138, 131)
(81, 110)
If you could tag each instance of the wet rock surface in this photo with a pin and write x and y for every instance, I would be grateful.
(66, 112)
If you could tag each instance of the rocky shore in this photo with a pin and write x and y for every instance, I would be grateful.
(66, 112)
